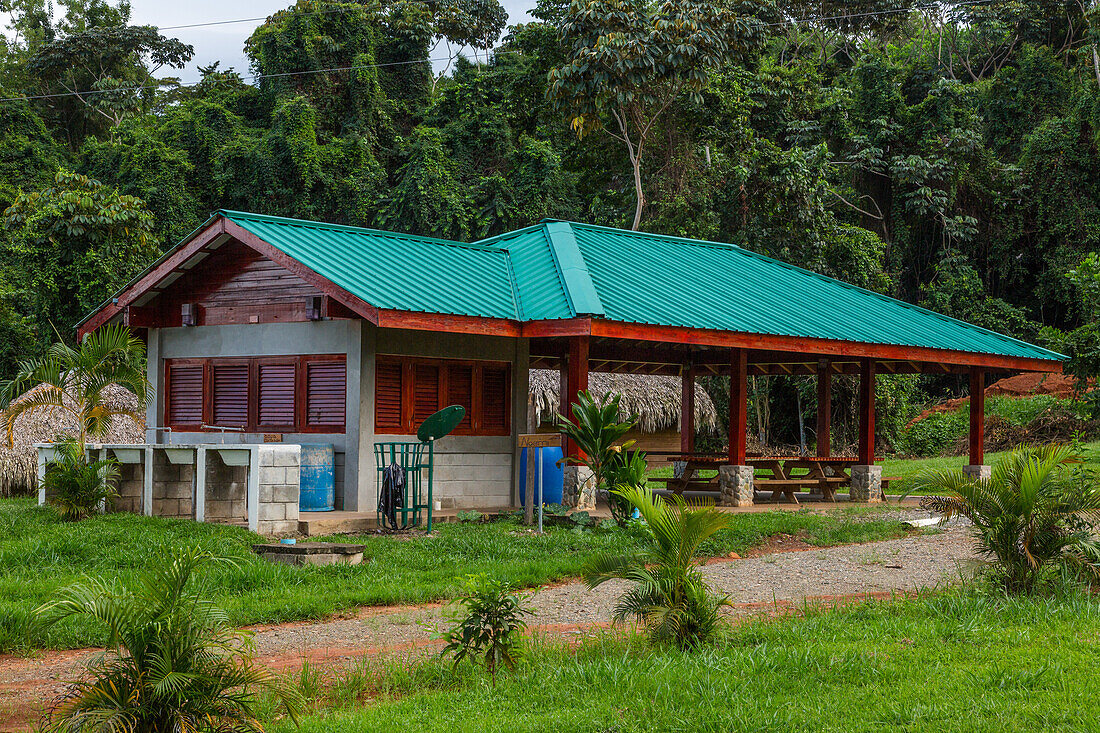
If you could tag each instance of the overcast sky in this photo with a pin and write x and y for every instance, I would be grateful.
(225, 43)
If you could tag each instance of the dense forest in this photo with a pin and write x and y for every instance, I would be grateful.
(942, 153)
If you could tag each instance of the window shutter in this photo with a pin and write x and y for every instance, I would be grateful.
(494, 400)
(425, 392)
(185, 394)
(460, 391)
(326, 393)
(388, 385)
(230, 395)
(275, 395)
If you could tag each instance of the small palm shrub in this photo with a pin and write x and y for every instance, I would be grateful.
(1037, 511)
(596, 430)
(78, 486)
(669, 596)
(488, 632)
(174, 663)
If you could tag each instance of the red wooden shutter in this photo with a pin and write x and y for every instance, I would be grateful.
(388, 384)
(494, 400)
(230, 395)
(184, 395)
(326, 393)
(460, 391)
(425, 392)
(275, 396)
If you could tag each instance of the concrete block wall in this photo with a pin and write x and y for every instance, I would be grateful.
(173, 488)
(279, 486)
(226, 491)
(473, 479)
(131, 483)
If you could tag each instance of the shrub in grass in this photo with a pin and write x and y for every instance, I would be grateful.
(1037, 511)
(174, 662)
(78, 486)
(669, 596)
(488, 632)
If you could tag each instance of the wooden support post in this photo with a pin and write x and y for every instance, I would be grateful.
(687, 408)
(977, 416)
(867, 412)
(739, 407)
(576, 381)
(824, 407)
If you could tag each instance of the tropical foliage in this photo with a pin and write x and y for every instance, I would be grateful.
(488, 632)
(173, 663)
(669, 596)
(943, 153)
(596, 429)
(1038, 510)
(78, 486)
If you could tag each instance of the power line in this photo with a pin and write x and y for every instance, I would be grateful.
(363, 67)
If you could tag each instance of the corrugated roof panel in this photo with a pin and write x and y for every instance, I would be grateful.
(395, 271)
(644, 278)
(539, 284)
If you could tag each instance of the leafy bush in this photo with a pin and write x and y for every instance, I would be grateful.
(669, 596)
(469, 515)
(174, 661)
(596, 430)
(78, 486)
(1037, 510)
(489, 631)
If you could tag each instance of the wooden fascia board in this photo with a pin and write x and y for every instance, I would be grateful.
(171, 263)
(448, 323)
(821, 347)
(326, 286)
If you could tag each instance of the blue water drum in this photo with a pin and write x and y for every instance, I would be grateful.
(552, 479)
(318, 476)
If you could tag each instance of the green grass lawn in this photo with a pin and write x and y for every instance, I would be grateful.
(950, 662)
(39, 553)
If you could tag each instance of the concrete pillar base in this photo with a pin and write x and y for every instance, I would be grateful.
(979, 472)
(578, 487)
(735, 485)
(866, 484)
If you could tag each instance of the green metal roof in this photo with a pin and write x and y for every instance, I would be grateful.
(559, 270)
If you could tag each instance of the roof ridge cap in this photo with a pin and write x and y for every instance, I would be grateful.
(572, 269)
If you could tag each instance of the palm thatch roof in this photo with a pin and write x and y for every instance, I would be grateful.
(19, 463)
(655, 399)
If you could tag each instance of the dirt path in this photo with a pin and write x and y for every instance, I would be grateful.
(788, 575)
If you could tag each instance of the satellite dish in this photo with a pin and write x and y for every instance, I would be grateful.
(441, 423)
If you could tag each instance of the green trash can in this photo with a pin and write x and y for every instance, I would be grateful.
(415, 461)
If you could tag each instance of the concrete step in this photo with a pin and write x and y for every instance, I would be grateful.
(314, 524)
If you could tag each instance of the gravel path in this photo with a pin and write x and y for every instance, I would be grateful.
(754, 584)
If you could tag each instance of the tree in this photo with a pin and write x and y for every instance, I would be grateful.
(75, 381)
(631, 59)
(71, 245)
(173, 662)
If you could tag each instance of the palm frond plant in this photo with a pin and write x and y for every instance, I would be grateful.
(597, 430)
(1037, 510)
(78, 486)
(76, 382)
(174, 662)
(669, 597)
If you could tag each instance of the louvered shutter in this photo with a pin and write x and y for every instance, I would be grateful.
(494, 400)
(184, 395)
(230, 395)
(388, 384)
(460, 391)
(275, 395)
(326, 393)
(425, 392)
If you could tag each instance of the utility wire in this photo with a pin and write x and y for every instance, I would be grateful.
(363, 67)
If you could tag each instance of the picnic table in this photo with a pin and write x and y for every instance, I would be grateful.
(791, 473)
(690, 478)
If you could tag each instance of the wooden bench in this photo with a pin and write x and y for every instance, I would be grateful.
(680, 485)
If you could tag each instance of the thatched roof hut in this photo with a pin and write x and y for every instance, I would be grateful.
(654, 399)
(19, 463)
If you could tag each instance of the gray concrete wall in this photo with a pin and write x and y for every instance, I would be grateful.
(267, 339)
(471, 471)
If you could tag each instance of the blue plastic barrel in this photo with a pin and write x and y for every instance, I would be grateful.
(318, 477)
(552, 479)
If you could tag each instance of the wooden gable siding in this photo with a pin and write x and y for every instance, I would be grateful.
(236, 284)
